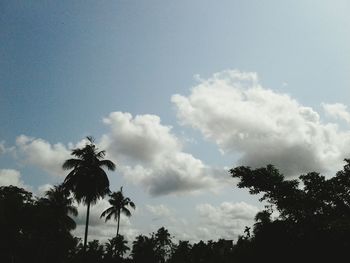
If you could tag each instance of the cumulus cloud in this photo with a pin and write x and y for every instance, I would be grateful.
(227, 220)
(232, 109)
(151, 156)
(40, 153)
(11, 177)
(337, 110)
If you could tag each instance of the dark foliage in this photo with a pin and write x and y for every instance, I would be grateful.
(305, 220)
(314, 216)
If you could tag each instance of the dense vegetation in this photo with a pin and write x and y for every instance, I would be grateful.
(305, 220)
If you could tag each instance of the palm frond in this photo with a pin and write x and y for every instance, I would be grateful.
(71, 164)
(126, 211)
(108, 164)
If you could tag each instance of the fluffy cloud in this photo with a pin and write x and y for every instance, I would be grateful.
(151, 156)
(225, 221)
(42, 154)
(11, 177)
(239, 115)
(337, 110)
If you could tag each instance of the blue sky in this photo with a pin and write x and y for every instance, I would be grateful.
(66, 66)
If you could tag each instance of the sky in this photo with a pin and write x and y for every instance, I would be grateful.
(177, 93)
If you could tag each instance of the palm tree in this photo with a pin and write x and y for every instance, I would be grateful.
(58, 199)
(87, 180)
(117, 247)
(119, 205)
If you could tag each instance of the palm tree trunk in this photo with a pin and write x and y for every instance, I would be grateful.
(86, 226)
(118, 222)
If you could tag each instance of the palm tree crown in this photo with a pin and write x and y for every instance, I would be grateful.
(87, 180)
(119, 205)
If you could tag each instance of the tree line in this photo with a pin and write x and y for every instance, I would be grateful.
(305, 220)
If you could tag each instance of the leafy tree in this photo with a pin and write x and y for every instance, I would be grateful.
(59, 201)
(15, 212)
(116, 247)
(144, 250)
(87, 180)
(313, 214)
(119, 205)
(164, 244)
(181, 252)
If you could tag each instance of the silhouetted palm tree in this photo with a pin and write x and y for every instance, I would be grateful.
(117, 246)
(87, 181)
(58, 199)
(119, 205)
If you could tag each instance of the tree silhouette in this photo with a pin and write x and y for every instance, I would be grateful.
(116, 247)
(313, 218)
(144, 250)
(59, 200)
(15, 210)
(119, 205)
(164, 244)
(87, 180)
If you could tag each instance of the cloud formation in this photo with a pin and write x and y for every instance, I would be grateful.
(337, 110)
(40, 153)
(232, 109)
(151, 156)
(11, 177)
(226, 220)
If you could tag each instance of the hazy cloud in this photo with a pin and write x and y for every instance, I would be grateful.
(232, 109)
(160, 211)
(337, 110)
(227, 220)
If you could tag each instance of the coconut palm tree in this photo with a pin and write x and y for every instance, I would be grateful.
(119, 205)
(117, 247)
(87, 180)
(58, 199)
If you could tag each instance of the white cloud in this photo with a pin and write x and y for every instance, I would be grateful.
(240, 116)
(11, 177)
(149, 155)
(42, 154)
(228, 220)
(142, 138)
(337, 110)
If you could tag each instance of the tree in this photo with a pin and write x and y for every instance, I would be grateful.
(164, 245)
(87, 180)
(119, 205)
(144, 250)
(313, 216)
(181, 253)
(117, 247)
(61, 204)
(16, 205)
(52, 225)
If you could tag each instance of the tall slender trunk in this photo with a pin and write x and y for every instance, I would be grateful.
(118, 222)
(86, 226)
